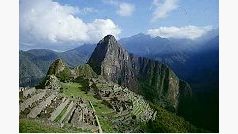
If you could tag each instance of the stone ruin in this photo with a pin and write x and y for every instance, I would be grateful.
(131, 107)
(48, 106)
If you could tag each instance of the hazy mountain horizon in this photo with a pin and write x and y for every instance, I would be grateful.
(65, 47)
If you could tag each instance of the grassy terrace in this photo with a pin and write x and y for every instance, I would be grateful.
(104, 113)
(61, 114)
(69, 90)
(76, 90)
(35, 126)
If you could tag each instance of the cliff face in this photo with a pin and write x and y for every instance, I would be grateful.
(155, 81)
(111, 61)
(158, 83)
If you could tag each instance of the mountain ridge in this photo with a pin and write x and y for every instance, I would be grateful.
(115, 64)
(42, 58)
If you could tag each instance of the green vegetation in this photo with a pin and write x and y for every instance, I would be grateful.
(28, 70)
(64, 75)
(105, 116)
(60, 115)
(151, 93)
(34, 126)
(85, 71)
(202, 110)
(168, 122)
(75, 90)
(104, 113)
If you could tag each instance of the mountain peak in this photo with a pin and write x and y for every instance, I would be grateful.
(111, 61)
(107, 46)
(108, 40)
(115, 64)
(109, 37)
(57, 66)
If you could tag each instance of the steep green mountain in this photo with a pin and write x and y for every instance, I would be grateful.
(157, 82)
(197, 62)
(28, 71)
(191, 60)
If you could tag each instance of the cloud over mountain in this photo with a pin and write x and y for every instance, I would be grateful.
(186, 32)
(49, 22)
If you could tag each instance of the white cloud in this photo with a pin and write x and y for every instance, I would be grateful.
(88, 10)
(162, 9)
(48, 22)
(186, 32)
(125, 9)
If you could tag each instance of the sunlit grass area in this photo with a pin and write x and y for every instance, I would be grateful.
(78, 90)
(35, 126)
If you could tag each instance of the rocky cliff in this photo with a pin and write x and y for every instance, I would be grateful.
(156, 81)
(113, 62)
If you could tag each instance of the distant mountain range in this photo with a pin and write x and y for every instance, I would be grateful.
(35, 63)
(186, 57)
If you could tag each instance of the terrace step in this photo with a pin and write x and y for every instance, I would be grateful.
(66, 114)
(29, 91)
(28, 102)
(37, 110)
(58, 110)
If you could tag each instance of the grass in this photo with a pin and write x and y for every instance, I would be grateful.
(34, 126)
(102, 111)
(76, 90)
(60, 115)
(168, 122)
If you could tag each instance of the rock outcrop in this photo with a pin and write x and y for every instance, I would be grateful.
(51, 82)
(57, 72)
(60, 70)
(156, 81)
(111, 61)
(56, 67)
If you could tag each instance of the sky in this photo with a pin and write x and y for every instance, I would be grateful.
(63, 24)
